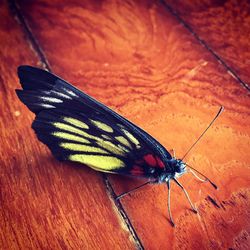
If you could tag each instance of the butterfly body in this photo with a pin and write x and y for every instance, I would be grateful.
(160, 170)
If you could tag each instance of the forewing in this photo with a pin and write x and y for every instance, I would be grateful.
(78, 128)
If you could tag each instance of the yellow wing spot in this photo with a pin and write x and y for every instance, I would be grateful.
(67, 136)
(123, 140)
(76, 122)
(123, 148)
(131, 138)
(82, 148)
(111, 147)
(70, 128)
(101, 163)
(102, 126)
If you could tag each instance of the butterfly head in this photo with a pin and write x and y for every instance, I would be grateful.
(174, 168)
(177, 167)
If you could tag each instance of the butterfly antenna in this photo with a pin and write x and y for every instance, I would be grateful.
(206, 178)
(218, 114)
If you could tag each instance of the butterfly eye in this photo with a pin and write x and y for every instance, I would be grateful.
(180, 167)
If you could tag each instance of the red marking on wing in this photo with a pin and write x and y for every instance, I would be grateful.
(150, 160)
(159, 162)
(137, 170)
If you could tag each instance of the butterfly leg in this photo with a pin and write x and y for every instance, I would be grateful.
(186, 194)
(172, 152)
(195, 175)
(169, 208)
(132, 190)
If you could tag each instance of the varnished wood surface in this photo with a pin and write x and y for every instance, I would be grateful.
(137, 58)
(224, 26)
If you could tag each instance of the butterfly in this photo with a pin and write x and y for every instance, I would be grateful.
(78, 128)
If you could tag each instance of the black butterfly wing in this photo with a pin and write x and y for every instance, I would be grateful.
(78, 128)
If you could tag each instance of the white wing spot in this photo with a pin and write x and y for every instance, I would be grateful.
(62, 95)
(70, 92)
(51, 99)
(46, 105)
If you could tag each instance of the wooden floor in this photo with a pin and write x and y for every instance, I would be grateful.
(165, 65)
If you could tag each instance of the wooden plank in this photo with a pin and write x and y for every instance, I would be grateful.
(44, 204)
(224, 26)
(138, 59)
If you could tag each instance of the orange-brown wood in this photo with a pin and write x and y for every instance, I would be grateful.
(224, 26)
(137, 58)
(44, 204)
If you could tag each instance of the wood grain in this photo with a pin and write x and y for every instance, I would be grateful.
(44, 204)
(224, 26)
(137, 58)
